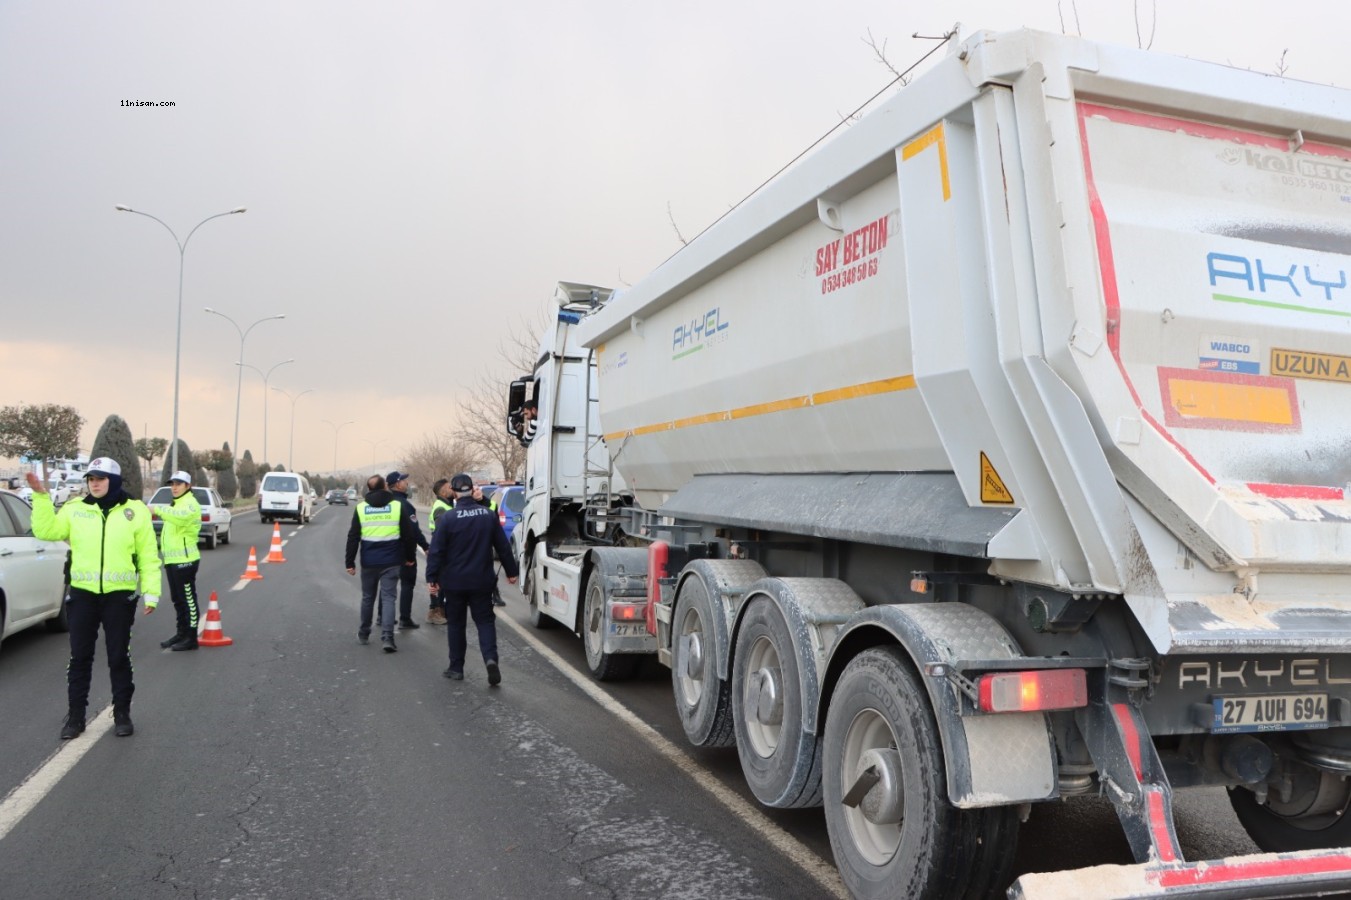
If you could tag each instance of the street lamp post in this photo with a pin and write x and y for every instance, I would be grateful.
(291, 454)
(336, 428)
(266, 375)
(239, 382)
(374, 444)
(178, 334)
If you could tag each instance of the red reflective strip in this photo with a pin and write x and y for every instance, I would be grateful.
(1296, 491)
(1107, 264)
(1159, 827)
(1131, 736)
(658, 557)
(1221, 872)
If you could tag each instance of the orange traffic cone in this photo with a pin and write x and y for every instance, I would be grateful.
(212, 636)
(251, 573)
(274, 555)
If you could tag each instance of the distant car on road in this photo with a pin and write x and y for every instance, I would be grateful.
(336, 496)
(285, 495)
(32, 572)
(351, 494)
(216, 516)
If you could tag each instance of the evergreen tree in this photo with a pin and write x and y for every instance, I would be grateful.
(226, 482)
(248, 476)
(114, 440)
(185, 462)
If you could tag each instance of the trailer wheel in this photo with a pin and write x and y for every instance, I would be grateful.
(604, 666)
(1314, 820)
(893, 832)
(780, 759)
(703, 700)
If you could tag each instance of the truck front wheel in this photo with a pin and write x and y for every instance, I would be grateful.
(1314, 819)
(534, 591)
(892, 829)
(780, 759)
(604, 666)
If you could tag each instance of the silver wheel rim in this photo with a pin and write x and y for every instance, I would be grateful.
(876, 843)
(593, 613)
(691, 635)
(763, 674)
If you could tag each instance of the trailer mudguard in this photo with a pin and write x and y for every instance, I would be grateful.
(992, 760)
(725, 580)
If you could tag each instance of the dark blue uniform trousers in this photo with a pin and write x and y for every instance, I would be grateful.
(479, 604)
(85, 612)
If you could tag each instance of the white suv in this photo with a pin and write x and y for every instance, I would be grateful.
(216, 515)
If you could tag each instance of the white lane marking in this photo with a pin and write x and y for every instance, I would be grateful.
(821, 872)
(242, 583)
(29, 792)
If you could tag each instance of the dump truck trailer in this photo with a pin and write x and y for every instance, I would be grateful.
(995, 454)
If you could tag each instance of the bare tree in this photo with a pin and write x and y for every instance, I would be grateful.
(1074, 7)
(1281, 67)
(670, 215)
(881, 54)
(439, 456)
(483, 422)
(1153, 24)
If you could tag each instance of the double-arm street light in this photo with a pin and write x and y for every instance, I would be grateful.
(291, 455)
(374, 444)
(336, 428)
(266, 375)
(239, 382)
(178, 334)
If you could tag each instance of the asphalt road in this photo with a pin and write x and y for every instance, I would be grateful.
(297, 763)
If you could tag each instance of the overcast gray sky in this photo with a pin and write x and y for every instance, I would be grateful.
(419, 174)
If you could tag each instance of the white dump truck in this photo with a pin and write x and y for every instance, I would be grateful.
(995, 454)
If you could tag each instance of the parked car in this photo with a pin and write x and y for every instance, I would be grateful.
(216, 516)
(336, 496)
(285, 495)
(510, 504)
(32, 572)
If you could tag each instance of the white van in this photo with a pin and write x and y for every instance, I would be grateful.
(285, 495)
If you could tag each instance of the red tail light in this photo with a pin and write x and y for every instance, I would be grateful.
(206, 517)
(502, 518)
(627, 612)
(1036, 691)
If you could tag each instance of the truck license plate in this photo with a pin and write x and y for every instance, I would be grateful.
(1275, 712)
(628, 629)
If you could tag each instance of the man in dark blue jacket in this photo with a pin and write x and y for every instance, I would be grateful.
(461, 558)
(397, 483)
(387, 537)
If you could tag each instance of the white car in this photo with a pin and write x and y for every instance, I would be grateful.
(285, 495)
(32, 572)
(216, 515)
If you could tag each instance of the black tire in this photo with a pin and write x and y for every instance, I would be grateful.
(538, 618)
(60, 622)
(211, 540)
(932, 849)
(225, 538)
(603, 666)
(703, 700)
(781, 761)
(1278, 832)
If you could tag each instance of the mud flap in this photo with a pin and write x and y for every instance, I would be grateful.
(1311, 873)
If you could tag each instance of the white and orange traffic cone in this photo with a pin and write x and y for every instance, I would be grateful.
(212, 636)
(251, 573)
(274, 555)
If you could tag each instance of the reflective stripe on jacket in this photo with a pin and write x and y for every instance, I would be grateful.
(182, 519)
(439, 506)
(115, 552)
(380, 540)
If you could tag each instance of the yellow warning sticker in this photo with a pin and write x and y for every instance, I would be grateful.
(1306, 364)
(992, 488)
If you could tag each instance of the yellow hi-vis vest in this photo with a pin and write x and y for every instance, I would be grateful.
(379, 523)
(115, 552)
(182, 518)
(438, 506)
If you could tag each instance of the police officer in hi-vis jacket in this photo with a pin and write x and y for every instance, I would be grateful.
(113, 560)
(182, 518)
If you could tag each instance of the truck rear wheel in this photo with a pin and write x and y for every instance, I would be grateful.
(1314, 819)
(604, 666)
(893, 832)
(780, 759)
(703, 700)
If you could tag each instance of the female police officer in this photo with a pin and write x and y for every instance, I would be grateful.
(182, 518)
(113, 551)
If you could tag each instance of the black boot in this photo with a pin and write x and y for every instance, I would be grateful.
(169, 642)
(74, 724)
(122, 726)
(187, 642)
